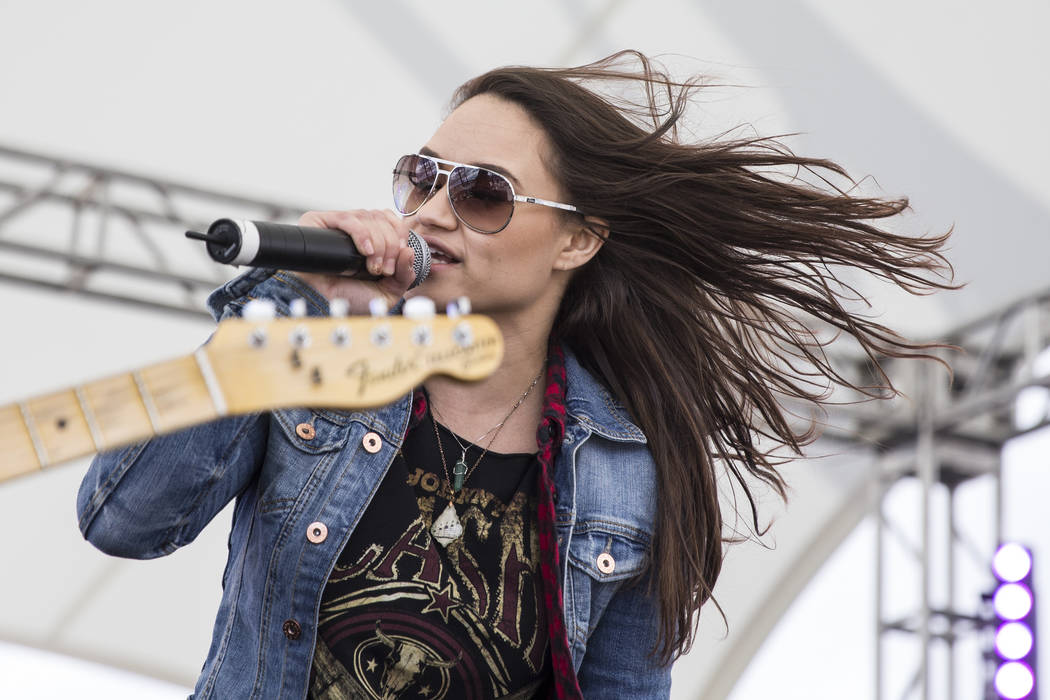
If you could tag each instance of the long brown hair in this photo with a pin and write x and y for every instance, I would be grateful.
(692, 311)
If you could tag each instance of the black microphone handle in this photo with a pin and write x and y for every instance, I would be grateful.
(297, 248)
(306, 249)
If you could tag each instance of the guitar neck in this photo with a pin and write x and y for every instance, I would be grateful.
(104, 414)
(248, 366)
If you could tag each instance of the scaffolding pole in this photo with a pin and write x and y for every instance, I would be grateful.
(953, 431)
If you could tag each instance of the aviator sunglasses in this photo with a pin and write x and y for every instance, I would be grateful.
(481, 198)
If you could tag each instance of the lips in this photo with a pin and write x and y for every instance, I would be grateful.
(441, 258)
(439, 254)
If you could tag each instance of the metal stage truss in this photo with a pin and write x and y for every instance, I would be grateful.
(113, 234)
(950, 429)
(116, 235)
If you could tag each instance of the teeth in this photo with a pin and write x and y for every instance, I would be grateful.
(440, 256)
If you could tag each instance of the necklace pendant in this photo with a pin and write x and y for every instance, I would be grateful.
(447, 528)
(459, 473)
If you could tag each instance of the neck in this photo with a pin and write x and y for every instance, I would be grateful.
(471, 408)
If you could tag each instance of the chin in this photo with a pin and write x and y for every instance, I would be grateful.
(434, 290)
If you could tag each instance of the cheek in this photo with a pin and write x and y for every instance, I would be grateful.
(517, 263)
(531, 244)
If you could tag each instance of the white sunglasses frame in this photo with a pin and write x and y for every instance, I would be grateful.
(448, 174)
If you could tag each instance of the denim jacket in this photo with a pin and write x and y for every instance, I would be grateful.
(148, 499)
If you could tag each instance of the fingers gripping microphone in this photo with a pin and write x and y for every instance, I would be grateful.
(299, 248)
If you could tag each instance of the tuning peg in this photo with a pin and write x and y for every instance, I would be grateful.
(377, 307)
(457, 307)
(299, 337)
(259, 310)
(382, 335)
(463, 334)
(419, 309)
(422, 335)
(297, 307)
(338, 307)
(257, 338)
(341, 336)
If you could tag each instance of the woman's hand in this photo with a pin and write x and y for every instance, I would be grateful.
(382, 236)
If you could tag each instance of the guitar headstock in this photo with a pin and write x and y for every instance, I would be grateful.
(348, 362)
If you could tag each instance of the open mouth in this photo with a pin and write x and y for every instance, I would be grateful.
(441, 258)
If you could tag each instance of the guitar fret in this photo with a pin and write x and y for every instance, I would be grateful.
(211, 381)
(117, 409)
(147, 402)
(18, 455)
(89, 417)
(34, 435)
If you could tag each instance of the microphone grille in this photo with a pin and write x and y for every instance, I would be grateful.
(420, 258)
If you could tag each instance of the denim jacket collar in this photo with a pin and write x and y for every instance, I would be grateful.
(289, 287)
(591, 404)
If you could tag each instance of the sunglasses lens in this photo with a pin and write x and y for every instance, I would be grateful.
(483, 199)
(414, 178)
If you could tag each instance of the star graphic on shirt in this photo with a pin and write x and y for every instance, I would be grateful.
(425, 691)
(371, 665)
(442, 602)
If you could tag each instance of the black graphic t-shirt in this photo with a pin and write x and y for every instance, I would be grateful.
(403, 616)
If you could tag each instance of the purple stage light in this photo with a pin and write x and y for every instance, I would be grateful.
(1012, 601)
(1012, 562)
(1015, 646)
(1014, 680)
(1013, 640)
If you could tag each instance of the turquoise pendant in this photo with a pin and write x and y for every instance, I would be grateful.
(459, 473)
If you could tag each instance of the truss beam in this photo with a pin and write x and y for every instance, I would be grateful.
(112, 234)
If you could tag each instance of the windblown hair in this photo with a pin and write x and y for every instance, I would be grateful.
(697, 312)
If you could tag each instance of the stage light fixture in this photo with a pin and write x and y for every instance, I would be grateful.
(1014, 640)
(1012, 562)
(1014, 680)
(1013, 601)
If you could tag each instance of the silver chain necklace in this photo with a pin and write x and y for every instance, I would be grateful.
(447, 527)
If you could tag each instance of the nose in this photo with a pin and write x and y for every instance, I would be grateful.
(437, 211)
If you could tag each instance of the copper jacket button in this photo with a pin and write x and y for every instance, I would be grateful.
(372, 442)
(292, 630)
(317, 532)
(305, 431)
(606, 564)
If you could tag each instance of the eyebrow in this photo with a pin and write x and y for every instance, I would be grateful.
(424, 151)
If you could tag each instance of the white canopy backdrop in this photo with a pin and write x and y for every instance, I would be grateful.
(943, 101)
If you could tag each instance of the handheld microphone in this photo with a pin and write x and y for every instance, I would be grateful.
(299, 248)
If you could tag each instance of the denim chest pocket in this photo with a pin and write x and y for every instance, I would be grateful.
(302, 440)
(602, 556)
(313, 431)
(608, 552)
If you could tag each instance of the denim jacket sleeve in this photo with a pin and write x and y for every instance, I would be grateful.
(150, 498)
